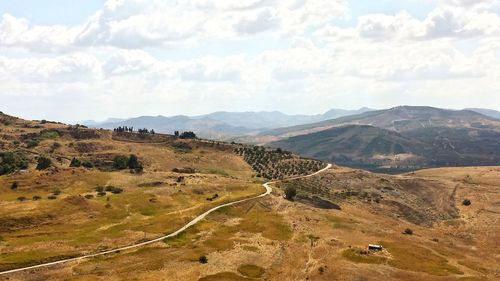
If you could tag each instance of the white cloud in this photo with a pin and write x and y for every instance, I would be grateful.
(123, 60)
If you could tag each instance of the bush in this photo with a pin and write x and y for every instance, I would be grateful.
(290, 193)
(51, 197)
(14, 185)
(31, 143)
(43, 163)
(120, 162)
(408, 232)
(114, 190)
(89, 196)
(87, 164)
(10, 162)
(56, 145)
(466, 202)
(56, 192)
(203, 259)
(36, 198)
(21, 198)
(133, 162)
(75, 163)
(101, 193)
(187, 135)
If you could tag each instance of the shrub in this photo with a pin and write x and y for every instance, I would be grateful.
(31, 143)
(187, 135)
(10, 162)
(120, 162)
(49, 134)
(56, 192)
(14, 185)
(21, 198)
(203, 259)
(290, 193)
(43, 163)
(133, 162)
(87, 164)
(51, 197)
(466, 202)
(101, 193)
(408, 231)
(99, 189)
(89, 196)
(36, 198)
(75, 163)
(114, 190)
(56, 145)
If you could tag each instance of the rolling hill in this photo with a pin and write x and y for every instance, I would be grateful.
(66, 191)
(398, 139)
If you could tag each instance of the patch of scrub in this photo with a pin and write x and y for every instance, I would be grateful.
(362, 256)
(224, 276)
(250, 270)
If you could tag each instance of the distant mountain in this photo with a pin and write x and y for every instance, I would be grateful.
(487, 112)
(276, 119)
(204, 127)
(398, 139)
(222, 125)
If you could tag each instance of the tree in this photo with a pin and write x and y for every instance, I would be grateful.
(43, 163)
(188, 135)
(176, 134)
(203, 259)
(290, 192)
(133, 162)
(75, 163)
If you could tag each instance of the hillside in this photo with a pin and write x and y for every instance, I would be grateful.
(87, 190)
(420, 220)
(399, 139)
(69, 190)
(400, 119)
(487, 112)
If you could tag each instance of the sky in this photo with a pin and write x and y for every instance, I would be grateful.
(80, 60)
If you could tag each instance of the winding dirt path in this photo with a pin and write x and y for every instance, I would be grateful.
(189, 224)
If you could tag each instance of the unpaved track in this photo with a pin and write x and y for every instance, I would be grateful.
(189, 224)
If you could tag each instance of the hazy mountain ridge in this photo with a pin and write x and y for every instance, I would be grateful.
(221, 125)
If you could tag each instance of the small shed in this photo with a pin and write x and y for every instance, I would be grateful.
(373, 247)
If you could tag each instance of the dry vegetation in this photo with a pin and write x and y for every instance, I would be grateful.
(266, 239)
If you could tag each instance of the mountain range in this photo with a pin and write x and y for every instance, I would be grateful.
(222, 124)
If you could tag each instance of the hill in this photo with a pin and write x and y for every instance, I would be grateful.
(400, 119)
(420, 220)
(222, 125)
(399, 139)
(487, 112)
(86, 190)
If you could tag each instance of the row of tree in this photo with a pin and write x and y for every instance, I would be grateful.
(131, 129)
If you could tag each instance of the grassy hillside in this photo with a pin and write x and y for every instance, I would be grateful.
(276, 239)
